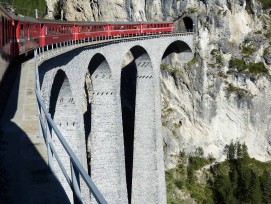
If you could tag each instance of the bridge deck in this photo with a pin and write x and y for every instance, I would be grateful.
(24, 153)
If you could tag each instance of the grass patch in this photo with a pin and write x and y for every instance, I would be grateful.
(191, 10)
(266, 4)
(195, 59)
(238, 64)
(217, 55)
(241, 93)
(222, 75)
(257, 68)
(170, 69)
(248, 50)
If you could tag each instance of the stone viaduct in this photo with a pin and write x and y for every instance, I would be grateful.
(105, 99)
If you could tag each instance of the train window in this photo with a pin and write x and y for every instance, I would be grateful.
(22, 30)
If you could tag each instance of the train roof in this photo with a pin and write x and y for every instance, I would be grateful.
(122, 22)
(149, 22)
(71, 22)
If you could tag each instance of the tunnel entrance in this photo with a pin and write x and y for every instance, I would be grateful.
(189, 25)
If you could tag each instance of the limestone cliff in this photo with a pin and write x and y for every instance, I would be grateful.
(224, 93)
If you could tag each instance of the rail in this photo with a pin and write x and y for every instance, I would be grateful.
(46, 123)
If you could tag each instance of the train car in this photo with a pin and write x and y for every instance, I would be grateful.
(27, 34)
(52, 32)
(6, 37)
(85, 30)
(157, 27)
(121, 29)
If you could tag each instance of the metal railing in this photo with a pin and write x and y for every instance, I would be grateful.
(47, 125)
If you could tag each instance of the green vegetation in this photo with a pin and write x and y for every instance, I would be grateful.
(254, 69)
(27, 7)
(169, 68)
(195, 59)
(184, 178)
(266, 4)
(241, 93)
(222, 75)
(257, 68)
(217, 55)
(191, 10)
(239, 179)
(248, 50)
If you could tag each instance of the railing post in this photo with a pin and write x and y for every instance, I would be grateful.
(49, 152)
(43, 52)
(75, 184)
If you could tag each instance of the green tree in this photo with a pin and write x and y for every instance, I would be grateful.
(255, 189)
(266, 187)
(231, 152)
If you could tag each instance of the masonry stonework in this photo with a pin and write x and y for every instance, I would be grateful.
(99, 68)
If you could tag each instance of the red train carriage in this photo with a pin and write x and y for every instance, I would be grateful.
(6, 32)
(157, 27)
(124, 28)
(19, 35)
(27, 34)
(85, 30)
(53, 32)
(6, 41)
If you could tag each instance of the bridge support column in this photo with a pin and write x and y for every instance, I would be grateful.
(107, 165)
(148, 185)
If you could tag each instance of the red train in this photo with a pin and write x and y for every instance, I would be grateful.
(19, 35)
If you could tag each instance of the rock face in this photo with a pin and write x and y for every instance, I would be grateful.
(224, 93)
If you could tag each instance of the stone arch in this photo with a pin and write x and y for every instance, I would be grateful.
(177, 51)
(188, 23)
(138, 116)
(101, 131)
(63, 112)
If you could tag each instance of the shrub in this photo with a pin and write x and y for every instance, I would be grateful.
(241, 93)
(239, 64)
(266, 4)
(257, 68)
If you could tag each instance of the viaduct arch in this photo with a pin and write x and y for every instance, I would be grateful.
(116, 105)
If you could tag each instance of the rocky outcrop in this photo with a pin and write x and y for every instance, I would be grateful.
(223, 94)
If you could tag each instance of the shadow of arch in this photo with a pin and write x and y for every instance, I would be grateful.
(137, 103)
(188, 23)
(177, 51)
(63, 112)
(97, 78)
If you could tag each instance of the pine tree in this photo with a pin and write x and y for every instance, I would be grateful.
(239, 151)
(255, 189)
(266, 187)
(231, 152)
